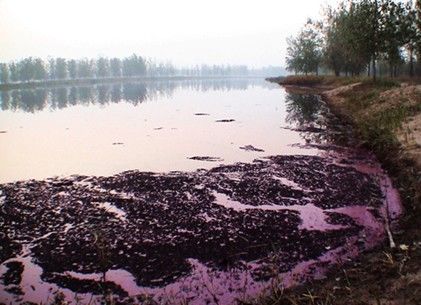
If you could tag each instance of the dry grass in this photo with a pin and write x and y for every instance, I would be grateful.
(378, 111)
(314, 80)
(382, 277)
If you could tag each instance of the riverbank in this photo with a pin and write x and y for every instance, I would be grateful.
(386, 118)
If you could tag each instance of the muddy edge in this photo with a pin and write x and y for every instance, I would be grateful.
(383, 275)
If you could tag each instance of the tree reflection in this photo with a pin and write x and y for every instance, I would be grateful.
(32, 100)
(103, 94)
(308, 114)
(116, 93)
(73, 96)
(134, 93)
(303, 110)
(25, 100)
(5, 100)
(59, 98)
(85, 95)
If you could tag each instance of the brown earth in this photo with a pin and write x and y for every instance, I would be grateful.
(409, 133)
(386, 275)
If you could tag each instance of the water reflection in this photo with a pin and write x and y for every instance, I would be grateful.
(305, 110)
(308, 114)
(33, 100)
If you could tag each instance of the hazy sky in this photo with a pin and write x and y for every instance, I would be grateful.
(186, 32)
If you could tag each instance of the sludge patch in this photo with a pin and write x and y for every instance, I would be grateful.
(234, 228)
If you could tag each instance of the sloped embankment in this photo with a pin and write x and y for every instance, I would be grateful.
(395, 112)
(387, 119)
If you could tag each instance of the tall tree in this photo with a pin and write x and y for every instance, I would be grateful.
(115, 67)
(418, 31)
(61, 68)
(52, 68)
(26, 69)
(333, 52)
(72, 68)
(304, 52)
(40, 71)
(4, 73)
(102, 67)
(85, 68)
(134, 66)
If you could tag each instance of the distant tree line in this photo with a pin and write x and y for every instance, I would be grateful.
(360, 36)
(35, 69)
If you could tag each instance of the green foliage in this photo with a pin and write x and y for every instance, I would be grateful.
(418, 26)
(14, 73)
(115, 67)
(85, 68)
(61, 68)
(102, 67)
(4, 74)
(350, 37)
(134, 65)
(33, 70)
(382, 83)
(72, 68)
(359, 33)
(304, 51)
(40, 71)
(378, 132)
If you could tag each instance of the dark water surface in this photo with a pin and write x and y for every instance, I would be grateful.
(198, 191)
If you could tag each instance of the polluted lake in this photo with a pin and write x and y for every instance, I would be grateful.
(202, 192)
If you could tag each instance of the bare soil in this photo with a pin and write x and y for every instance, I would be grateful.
(385, 275)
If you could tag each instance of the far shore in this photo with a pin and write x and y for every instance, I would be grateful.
(93, 81)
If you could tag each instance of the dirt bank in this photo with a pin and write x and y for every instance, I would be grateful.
(386, 117)
(398, 107)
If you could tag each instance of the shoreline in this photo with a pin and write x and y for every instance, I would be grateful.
(383, 275)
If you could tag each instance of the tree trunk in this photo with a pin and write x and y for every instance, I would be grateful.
(411, 62)
(376, 6)
(374, 68)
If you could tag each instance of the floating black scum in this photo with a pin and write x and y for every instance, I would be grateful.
(213, 235)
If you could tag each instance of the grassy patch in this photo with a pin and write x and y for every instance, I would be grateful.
(377, 127)
(318, 80)
(384, 276)
(356, 101)
(361, 282)
(383, 83)
(379, 130)
(334, 81)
